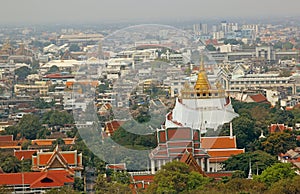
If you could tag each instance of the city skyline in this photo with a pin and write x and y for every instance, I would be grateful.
(91, 11)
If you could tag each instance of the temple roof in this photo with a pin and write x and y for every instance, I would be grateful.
(220, 142)
(48, 179)
(69, 160)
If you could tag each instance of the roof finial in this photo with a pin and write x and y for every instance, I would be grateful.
(202, 63)
(202, 82)
(250, 170)
(56, 148)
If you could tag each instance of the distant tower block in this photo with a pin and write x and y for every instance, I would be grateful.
(100, 51)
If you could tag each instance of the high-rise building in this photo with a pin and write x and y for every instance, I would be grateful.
(204, 28)
(196, 29)
(224, 27)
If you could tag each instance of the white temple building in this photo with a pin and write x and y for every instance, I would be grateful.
(196, 110)
(201, 105)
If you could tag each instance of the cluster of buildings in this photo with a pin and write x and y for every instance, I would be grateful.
(49, 169)
(69, 69)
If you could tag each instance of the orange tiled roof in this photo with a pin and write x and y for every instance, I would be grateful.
(56, 178)
(222, 155)
(48, 142)
(42, 142)
(44, 157)
(259, 98)
(69, 157)
(121, 166)
(6, 138)
(112, 126)
(149, 177)
(25, 154)
(140, 182)
(218, 142)
(279, 128)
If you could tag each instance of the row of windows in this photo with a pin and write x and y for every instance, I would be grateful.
(204, 94)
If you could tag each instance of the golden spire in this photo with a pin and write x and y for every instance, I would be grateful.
(202, 80)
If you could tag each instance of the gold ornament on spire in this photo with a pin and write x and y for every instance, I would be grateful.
(202, 82)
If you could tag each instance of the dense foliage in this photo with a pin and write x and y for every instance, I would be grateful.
(176, 177)
(259, 161)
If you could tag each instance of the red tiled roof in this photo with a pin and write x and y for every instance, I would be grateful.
(218, 142)
(279, 128)
(108, 106)
(48, 142)
(148, 178)
(116, 166)
(69, 157)
(44, 157)
(58, 76)
(179, 133)
(222, 155)
(180, 144)
(48, 179)
(259, 98)
(112, 126)
(6, 138)
(25, 154)
(162, 136)
(140, 182)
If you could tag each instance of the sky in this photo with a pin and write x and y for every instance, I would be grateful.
(89, 11)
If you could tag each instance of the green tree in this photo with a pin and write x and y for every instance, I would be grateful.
(275, 173)
(279, 142)
(176, 177)
(22, 72)
(244, 129)
(78, 184)
(260, 160)
(121, 177)
(12, 130)
(41, 104)
(210, 47)
(10, 164)
(286, 186)
(26, 144)
(287, 46)
(57, 118)
(241, 185)
(30, 126)
(62, 190)
(53, 69)
(74, 48)
(59, 141)
(102, 186)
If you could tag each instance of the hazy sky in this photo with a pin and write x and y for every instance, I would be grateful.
(60, 11)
